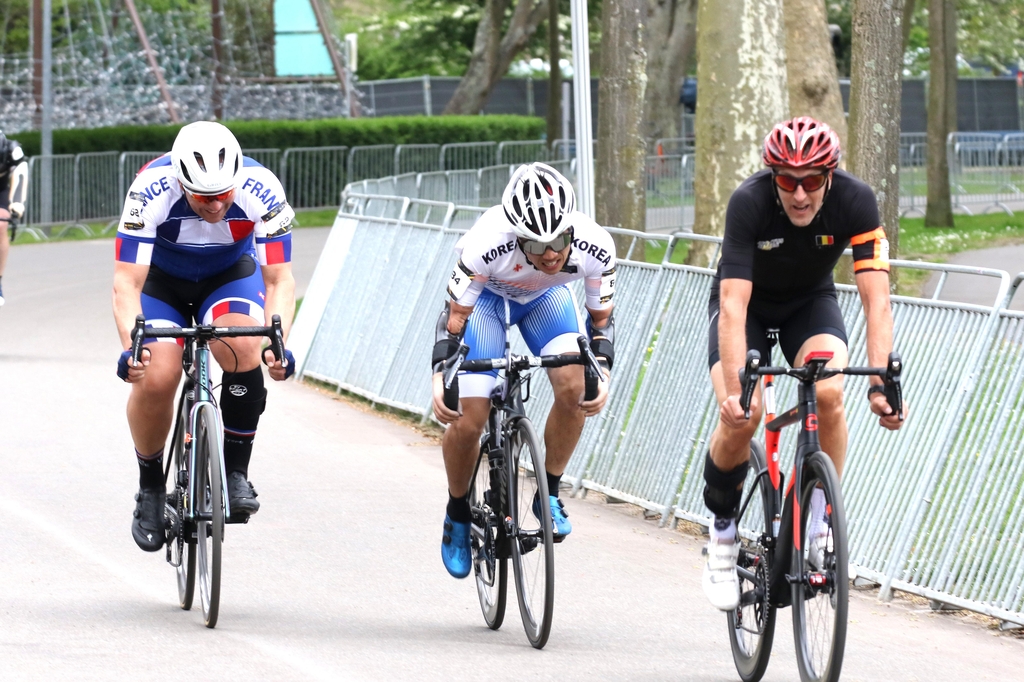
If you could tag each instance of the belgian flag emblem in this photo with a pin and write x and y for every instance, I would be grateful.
(825, 240)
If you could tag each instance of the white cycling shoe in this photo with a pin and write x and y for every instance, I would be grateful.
(817, 545)
(720, 581)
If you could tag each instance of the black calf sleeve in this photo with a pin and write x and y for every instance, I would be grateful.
(242, 401)
(723, 492)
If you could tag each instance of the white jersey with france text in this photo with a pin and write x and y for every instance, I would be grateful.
(490, 257)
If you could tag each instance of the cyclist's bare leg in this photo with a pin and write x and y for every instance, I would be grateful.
(730, 447)
(565, 421)
(832, 431)
(241, 353)
(5, 239)
(461, 444)
(151, 403)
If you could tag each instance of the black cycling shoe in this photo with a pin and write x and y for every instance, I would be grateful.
(242, 495)
(148, 522)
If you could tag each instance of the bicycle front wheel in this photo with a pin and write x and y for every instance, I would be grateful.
(209, 507)
(182, 547)
(533, 557)
(490, 570)
(821, 595)
(752, 624)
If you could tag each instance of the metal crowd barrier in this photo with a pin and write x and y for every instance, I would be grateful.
(468, 155)
(313, 177)
(934, 509)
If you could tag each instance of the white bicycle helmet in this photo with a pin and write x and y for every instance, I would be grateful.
(538, 201)
(206, 157)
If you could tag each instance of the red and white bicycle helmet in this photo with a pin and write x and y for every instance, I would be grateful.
(802, 142)
(538, 201)
(206, 157)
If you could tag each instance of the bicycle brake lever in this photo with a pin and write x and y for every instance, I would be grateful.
(748, 380)
(452, 364)
(893, 385)
(277, 338)
(138, 336)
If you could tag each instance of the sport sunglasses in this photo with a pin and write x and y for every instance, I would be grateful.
(210, 198)
(539, 248)
(810, 183)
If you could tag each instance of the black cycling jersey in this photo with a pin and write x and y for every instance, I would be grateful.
(785, 262)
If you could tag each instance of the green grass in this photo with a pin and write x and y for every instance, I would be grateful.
(918, 242)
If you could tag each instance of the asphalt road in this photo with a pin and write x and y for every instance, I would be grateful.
(338, 577)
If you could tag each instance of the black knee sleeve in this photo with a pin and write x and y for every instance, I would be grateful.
(242, 400)
(723, 492)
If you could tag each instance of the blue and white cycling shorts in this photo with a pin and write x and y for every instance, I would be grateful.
(550, 324)
(172, 302)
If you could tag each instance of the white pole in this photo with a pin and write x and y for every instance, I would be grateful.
(46, 132)
(581, 88)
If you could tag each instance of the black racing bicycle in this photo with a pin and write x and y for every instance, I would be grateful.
(508, 494)
(800, 557)
(198, 508)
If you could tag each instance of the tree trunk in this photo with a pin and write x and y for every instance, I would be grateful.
(741, 78)
(554, 77)
(621, 151)
(876, 82)
(941, 65)
(671, 40)
(493, 53)
(908, 21)
(811, 65)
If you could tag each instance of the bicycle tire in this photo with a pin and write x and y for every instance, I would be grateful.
(820, 613)
(183, 551)
(209, 489)
(533, 558)
(489, 570)
(752, 625)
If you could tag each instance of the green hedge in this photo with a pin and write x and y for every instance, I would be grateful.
(285, 134)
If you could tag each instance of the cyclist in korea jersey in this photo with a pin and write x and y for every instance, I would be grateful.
(514, 265)
(785, 229)
(205, 236)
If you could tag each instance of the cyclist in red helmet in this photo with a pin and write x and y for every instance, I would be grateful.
(785, 228)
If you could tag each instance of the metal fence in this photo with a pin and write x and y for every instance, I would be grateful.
(986, 173)
(934, 509)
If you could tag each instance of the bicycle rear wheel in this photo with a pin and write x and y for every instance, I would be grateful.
(752, 624)
(821, 596)
(181, 547)
(533, 557)
(490, 571)
(210, 510)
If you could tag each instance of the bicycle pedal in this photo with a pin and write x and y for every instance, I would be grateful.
(557, 539)
(238, 518)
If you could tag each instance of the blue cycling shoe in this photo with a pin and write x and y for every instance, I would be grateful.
(455, 548)
(558, 516)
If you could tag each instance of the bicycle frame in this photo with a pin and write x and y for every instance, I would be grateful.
(196, 363)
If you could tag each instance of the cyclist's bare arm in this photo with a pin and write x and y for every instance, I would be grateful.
(280, 284)
(128, 281)
(734, 297)
(457, 316)
(600, 317)
(873, 286)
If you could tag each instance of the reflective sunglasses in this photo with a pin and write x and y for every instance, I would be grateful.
(810, 183)
(210, 198)
(539, 248)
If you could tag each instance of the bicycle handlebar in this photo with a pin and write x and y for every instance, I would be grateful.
(815, 370)
(458, 362)
(140, 333)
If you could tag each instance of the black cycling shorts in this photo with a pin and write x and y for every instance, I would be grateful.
(796, 321)
(5, 192)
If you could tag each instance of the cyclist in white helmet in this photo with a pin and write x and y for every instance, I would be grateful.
(205, 236)
(516, 261)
